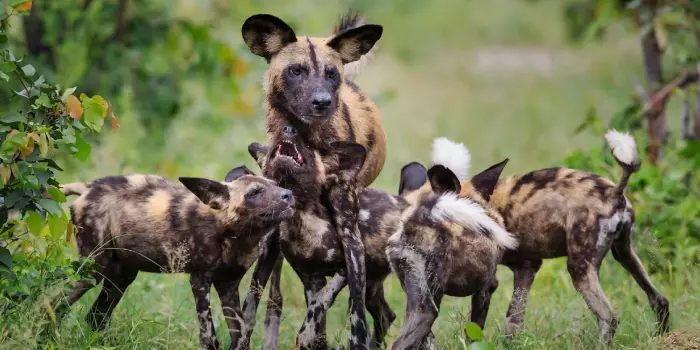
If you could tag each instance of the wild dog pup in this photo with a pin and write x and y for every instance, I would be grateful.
(306, 87)
(206, 228)
(565, 212)
(308, 240)
(449, 246)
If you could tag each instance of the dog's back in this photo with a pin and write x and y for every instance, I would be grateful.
(144, 219)
(542, 206)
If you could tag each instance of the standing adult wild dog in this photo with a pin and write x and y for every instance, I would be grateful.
(305, 88)
(565, 212)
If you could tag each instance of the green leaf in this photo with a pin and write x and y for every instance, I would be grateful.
(29, 70)
(35, 223)
(31, 181)
(474, 332)
(84, 149)
(13, 117)
(5, 258)
(94, 112)
(18, 139)
(5, 128)
(4, 77)
(482, 345)
(43, 101)
(7, 67)
(57, 225)
(57, 195)
(50, 206)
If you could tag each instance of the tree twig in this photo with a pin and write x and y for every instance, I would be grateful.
(661, 96)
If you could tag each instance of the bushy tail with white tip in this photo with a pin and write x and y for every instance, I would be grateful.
(452, 155)
(624, 149)
(471, 216)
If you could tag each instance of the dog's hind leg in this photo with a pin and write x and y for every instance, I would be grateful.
(380, 311)
(113, 288)
(523, 275)
(624, 253)
(481, 302)
(423, 290)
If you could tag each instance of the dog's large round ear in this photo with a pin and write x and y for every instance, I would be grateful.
(413, 176)
(237, 173)
(212, 193)
(485, 181)
(266, 35)
(443, 180)
(258, 151)
(355, 42)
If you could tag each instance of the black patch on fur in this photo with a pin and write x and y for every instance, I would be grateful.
(371, 139)
(348, 123)
(539, 179)
(354, 88)
(413, 176)
(312, 54)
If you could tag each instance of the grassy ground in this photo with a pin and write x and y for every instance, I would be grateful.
(495, 74)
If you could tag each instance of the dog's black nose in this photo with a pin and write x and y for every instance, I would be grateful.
(289, 131)
(321, 100)
(287, 195)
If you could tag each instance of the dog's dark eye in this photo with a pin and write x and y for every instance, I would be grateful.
(331, 74)
(254, 193)
(295, 70)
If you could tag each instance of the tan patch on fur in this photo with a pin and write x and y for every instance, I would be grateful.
(158, 205)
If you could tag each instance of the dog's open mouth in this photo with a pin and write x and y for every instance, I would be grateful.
(289, 150)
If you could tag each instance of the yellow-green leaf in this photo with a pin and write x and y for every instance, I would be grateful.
(57, 195)
(57, 225)
(43, 145)
(5, 173)
(35, 223)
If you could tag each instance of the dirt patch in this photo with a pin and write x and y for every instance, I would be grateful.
(683, 339)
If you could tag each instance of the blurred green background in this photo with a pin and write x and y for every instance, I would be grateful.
(502, 76)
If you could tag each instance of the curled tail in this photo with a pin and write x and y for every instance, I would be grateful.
(452, 155)
(347, 21)
(471, 216)
(77, 188)
(624, 149)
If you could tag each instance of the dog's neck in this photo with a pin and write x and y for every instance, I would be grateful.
(318, 135)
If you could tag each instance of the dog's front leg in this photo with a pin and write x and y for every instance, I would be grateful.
(231, 305)
(201, 285)
(269, 254)
(345, 207)
(318, 306)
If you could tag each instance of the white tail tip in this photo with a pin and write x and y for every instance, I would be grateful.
(472, 216)
(452, 155)
(623, 147)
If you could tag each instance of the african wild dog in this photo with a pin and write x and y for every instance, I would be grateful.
(206, 228)
(308, 240)
(306, 88)
(565, 212)
(449, 246)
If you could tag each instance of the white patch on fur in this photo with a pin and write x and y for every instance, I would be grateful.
(471, 216)
(623, 147)
(452, 155)
(353, 260)
(363, 215)
(330, 254)
(608, 226)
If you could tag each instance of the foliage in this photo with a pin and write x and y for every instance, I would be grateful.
(477, 337)
(38, 120)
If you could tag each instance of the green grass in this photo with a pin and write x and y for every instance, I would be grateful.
(427, 82)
